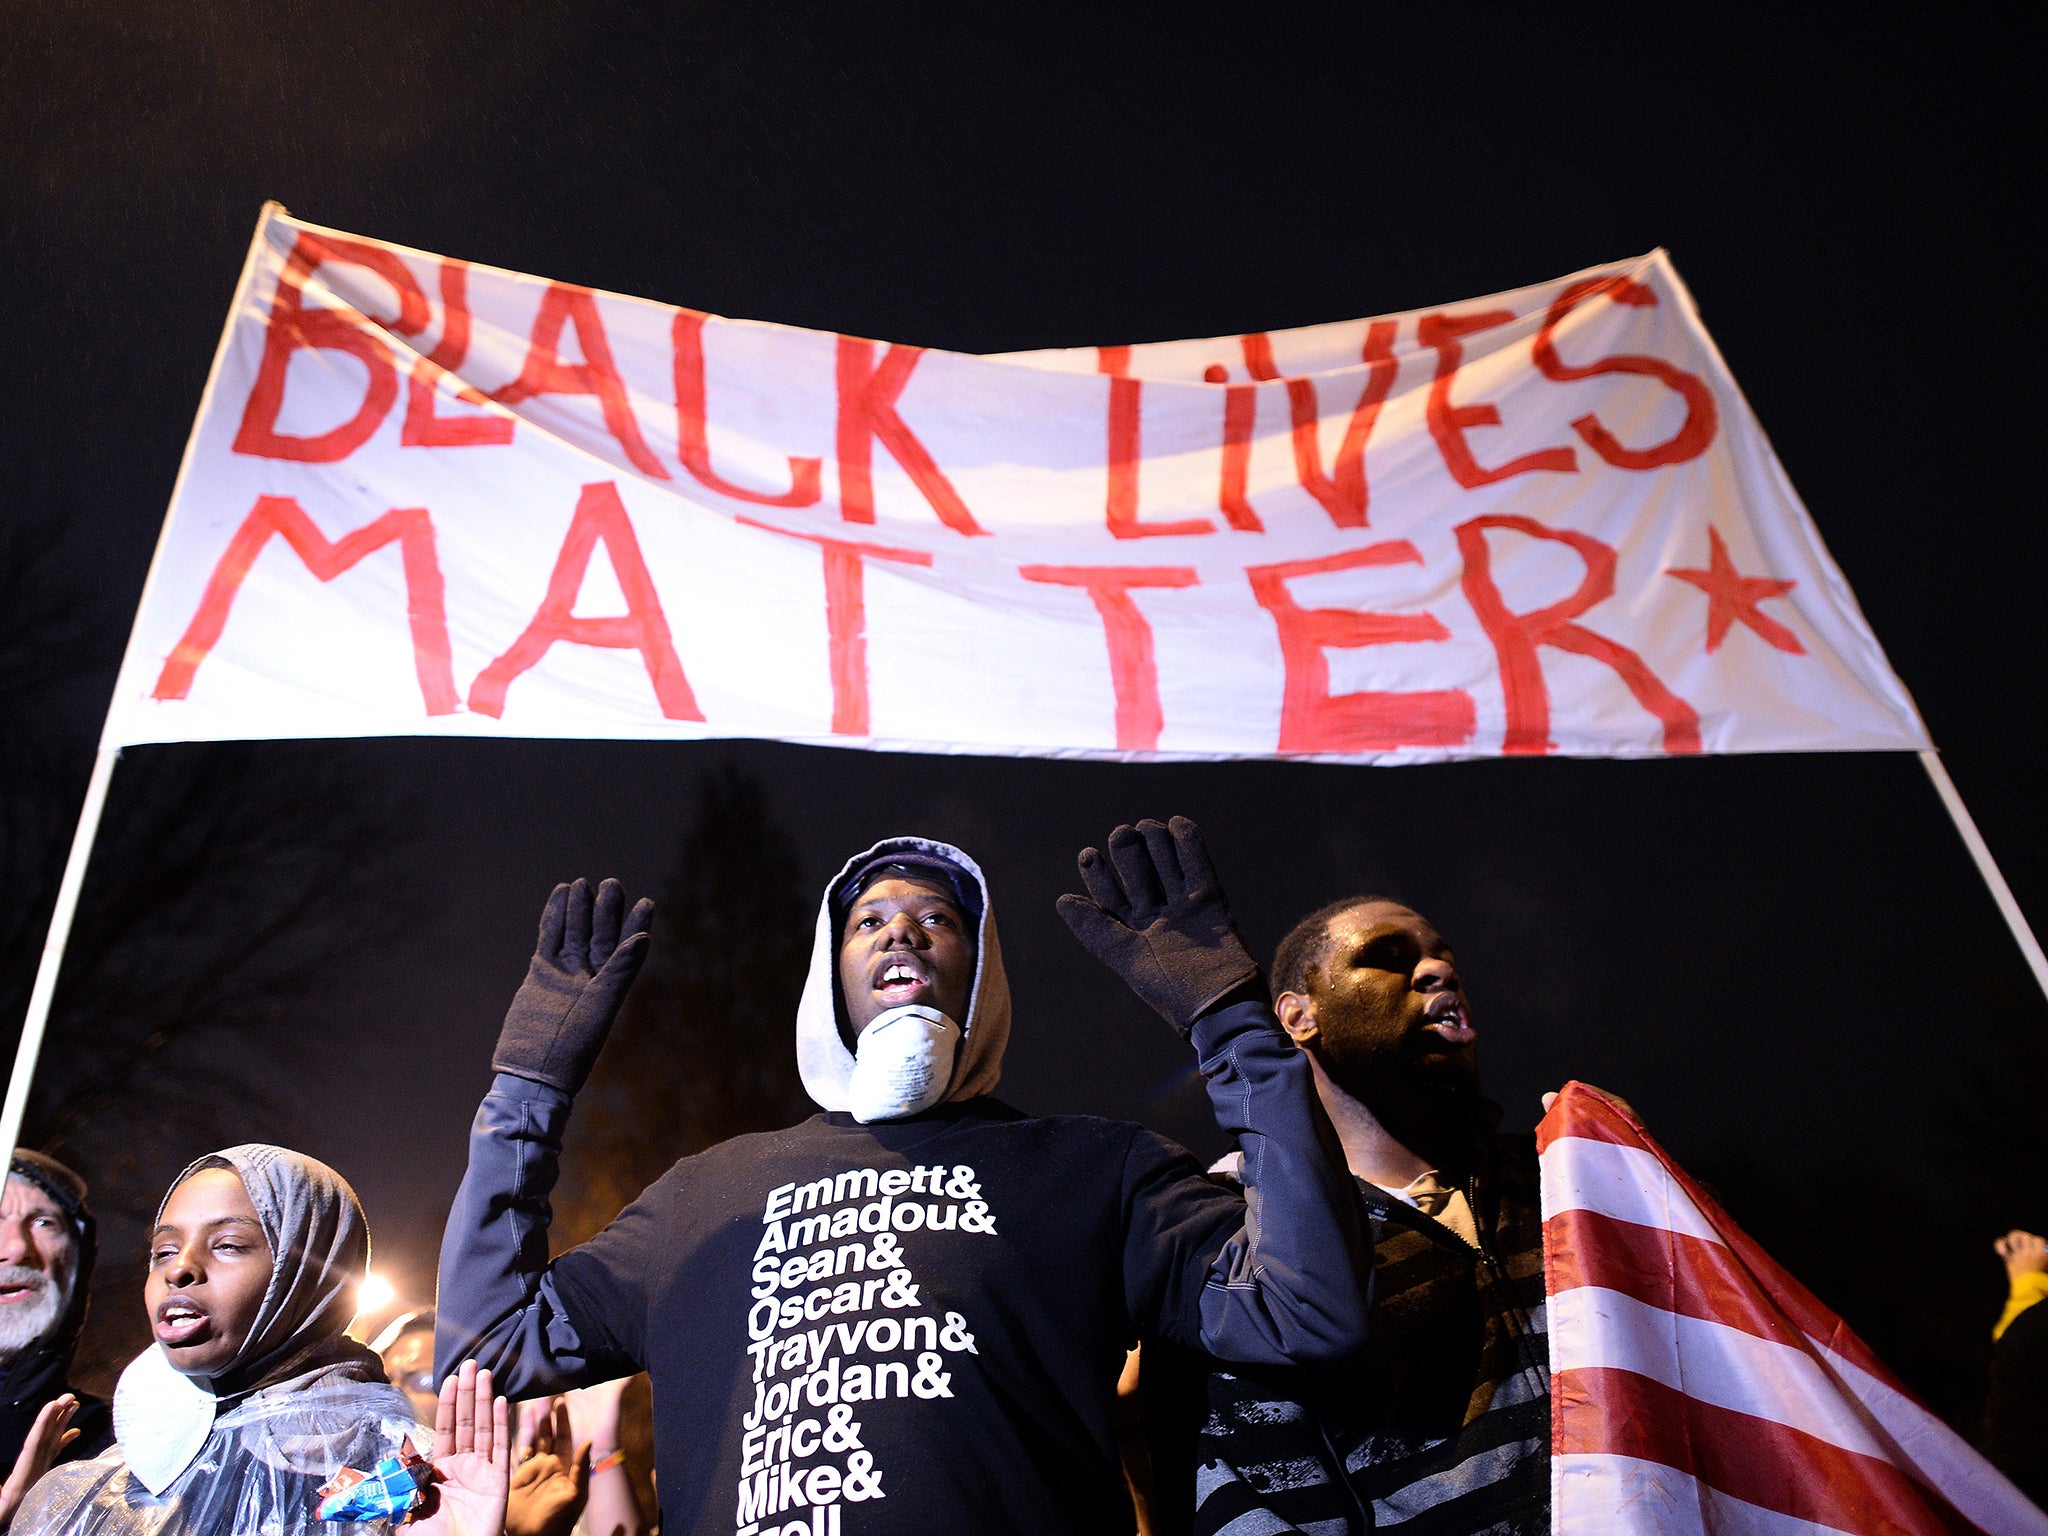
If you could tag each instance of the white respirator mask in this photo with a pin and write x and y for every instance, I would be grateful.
(902, 1063)
(162, 1418)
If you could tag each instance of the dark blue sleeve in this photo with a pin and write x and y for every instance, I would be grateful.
(538, 1327)
(1277, 1277)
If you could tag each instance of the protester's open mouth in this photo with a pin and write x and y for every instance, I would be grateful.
(14, 1292)
(901, 981)
(1445, 1018)
(179, 1321)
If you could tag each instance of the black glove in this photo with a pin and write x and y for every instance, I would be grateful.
(1155, 914)
(582, 965)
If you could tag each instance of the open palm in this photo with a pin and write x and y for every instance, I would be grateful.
(472, 1459)
(46, 1439)
(552, 1485)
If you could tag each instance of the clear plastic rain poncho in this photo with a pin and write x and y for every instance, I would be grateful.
(245, 1452)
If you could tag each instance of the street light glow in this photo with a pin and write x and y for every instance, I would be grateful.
(374, 1294)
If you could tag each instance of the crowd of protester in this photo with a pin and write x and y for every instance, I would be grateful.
(919, 1310)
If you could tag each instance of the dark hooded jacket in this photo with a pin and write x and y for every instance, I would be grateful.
(913, 1324)
(41, 1371)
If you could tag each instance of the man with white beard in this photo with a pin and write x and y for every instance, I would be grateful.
(47, 1246)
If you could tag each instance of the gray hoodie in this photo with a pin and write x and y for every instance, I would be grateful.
(822, 1055)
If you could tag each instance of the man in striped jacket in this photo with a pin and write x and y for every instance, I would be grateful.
(1442, 1424)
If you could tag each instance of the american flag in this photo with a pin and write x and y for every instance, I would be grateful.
(1699, 1390)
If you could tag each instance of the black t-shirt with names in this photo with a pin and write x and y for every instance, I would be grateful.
(908, 1326)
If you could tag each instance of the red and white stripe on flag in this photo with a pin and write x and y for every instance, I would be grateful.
(1696, 1387)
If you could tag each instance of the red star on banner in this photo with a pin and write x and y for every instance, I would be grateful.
(1733, 596)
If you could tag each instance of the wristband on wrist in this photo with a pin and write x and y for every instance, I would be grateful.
(607, 1461)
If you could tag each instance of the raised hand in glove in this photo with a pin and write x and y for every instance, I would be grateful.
(585, 960)
(1156, 915)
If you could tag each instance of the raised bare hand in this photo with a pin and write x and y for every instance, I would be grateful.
(46, 1440)
(2025, 1253)
(551, 1485)
(472, 1459)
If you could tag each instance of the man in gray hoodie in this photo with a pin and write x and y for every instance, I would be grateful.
(909, 1312)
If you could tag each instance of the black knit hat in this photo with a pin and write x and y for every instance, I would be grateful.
(910, 864)
(53, 1179)
(35, 1375)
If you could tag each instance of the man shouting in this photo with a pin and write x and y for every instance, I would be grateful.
(908, 1313)
(1442, 1424)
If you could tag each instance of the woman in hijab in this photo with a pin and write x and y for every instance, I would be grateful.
(252, 1397)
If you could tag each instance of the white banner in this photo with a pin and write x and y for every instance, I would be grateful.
(424, 497)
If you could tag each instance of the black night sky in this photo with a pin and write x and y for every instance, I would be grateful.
(1788, 965)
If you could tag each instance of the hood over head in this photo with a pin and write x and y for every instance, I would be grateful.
(823, 1057)
(38, 1372)
(319, 1248)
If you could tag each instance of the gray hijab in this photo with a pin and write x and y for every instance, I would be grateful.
(319, 1250)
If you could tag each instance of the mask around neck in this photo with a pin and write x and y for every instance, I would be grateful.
(902, 1063)
(161, 1419)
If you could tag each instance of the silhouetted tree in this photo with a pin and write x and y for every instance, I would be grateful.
(230, 884)
(705, 1048)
